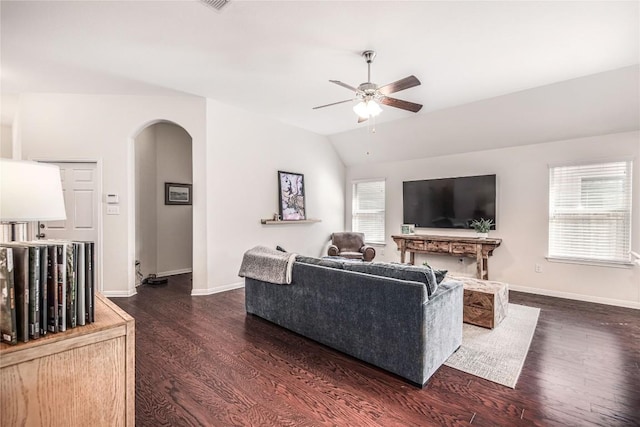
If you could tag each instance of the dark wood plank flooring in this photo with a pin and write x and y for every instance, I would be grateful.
(202, 361)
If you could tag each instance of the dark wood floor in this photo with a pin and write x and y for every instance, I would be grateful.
(203, 361)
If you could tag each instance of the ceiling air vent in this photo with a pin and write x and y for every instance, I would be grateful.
(216, 4)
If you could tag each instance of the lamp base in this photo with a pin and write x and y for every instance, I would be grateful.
(13, 232)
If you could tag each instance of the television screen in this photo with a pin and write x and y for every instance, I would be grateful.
(449, 202)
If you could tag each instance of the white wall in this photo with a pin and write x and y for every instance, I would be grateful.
(146, 201)
(6, 142)
(245, 152)
(236, 156)
(102, 128)
(174, 223)
(522, 216)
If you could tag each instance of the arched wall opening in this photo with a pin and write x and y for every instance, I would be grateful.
(163, 242)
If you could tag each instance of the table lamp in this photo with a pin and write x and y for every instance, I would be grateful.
(29, 191)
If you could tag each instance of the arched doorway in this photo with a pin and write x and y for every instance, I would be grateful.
(163, 225)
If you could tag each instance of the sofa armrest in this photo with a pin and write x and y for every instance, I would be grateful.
(369, 252)
(333, 250)
(442, 325)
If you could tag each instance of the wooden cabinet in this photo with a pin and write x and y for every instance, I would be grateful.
(472, 247)
(84, 376)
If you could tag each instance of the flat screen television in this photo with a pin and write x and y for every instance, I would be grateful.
(449, 202)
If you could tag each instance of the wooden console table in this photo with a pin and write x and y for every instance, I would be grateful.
(472, 247)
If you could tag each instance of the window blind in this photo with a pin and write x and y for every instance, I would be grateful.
(590, 212)
(369, 210)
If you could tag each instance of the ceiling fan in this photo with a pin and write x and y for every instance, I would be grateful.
(370, 95)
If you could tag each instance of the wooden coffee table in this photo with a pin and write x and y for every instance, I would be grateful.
(485, 302)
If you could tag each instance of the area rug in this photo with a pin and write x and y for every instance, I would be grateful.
(497, 354)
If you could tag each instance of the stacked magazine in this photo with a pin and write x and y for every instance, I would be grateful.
(47, 286)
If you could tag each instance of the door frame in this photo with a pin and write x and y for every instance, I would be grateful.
(98, 244)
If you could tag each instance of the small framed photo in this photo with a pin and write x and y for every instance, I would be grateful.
(292, 202)
(177, 194)
(408, 228)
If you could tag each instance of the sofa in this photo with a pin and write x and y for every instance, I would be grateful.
(407, 327)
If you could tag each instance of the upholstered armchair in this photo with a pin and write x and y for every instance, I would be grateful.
(351, 245)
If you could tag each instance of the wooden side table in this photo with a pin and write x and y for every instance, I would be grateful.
(84, 376)
(486, 303)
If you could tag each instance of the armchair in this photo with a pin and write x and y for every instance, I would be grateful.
(351, 245)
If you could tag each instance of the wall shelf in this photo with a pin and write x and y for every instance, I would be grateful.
(297, 221)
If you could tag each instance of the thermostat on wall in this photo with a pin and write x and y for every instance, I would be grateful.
(112, 199)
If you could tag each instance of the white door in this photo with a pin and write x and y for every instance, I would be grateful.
(81, 201)
(80, 185)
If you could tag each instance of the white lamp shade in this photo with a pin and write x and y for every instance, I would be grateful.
(373, 108)
(361, 110)
(30, 191)
(366, 109)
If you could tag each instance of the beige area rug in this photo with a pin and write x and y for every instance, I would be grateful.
(497, 354)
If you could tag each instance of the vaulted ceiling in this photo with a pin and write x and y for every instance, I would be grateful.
(276, 57)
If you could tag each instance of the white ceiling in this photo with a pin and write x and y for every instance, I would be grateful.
(276, 57)
(598, 104)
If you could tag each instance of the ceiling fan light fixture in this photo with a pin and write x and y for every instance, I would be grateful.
(369, 95)
(367, 109)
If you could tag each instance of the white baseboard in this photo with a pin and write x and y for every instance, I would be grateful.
(119, 294)
(577, 297)
(211, 291)
(174, 272)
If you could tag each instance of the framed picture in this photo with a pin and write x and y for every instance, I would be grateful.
(408, 228)
(177, 194)
(292, 203)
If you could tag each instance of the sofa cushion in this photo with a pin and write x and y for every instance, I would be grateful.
(331, 262)
(398, 271)
(440, 274)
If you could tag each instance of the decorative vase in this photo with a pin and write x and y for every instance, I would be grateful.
(482, 235)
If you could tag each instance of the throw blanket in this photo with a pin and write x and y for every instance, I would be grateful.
(268, 265)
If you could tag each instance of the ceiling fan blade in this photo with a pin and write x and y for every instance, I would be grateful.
(344, 85)
(399, 103)
(361, 119)
(401, 84)
(333, 103)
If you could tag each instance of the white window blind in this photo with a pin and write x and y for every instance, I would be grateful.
(590, 212)
(368, 210)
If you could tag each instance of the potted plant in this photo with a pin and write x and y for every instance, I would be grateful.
(482, 227)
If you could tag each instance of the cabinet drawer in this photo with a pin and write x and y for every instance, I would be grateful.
(417, 245)
(463, 248)
(442, 247)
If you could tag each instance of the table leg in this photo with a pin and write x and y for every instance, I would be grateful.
(412, 258)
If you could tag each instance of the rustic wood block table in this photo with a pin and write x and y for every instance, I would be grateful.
(486, 302)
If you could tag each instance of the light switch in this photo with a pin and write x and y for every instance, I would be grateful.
(113, 210)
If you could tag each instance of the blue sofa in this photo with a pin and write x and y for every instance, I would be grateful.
(405, 327)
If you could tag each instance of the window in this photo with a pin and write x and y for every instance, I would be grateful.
(590, 212)
(368, 210)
